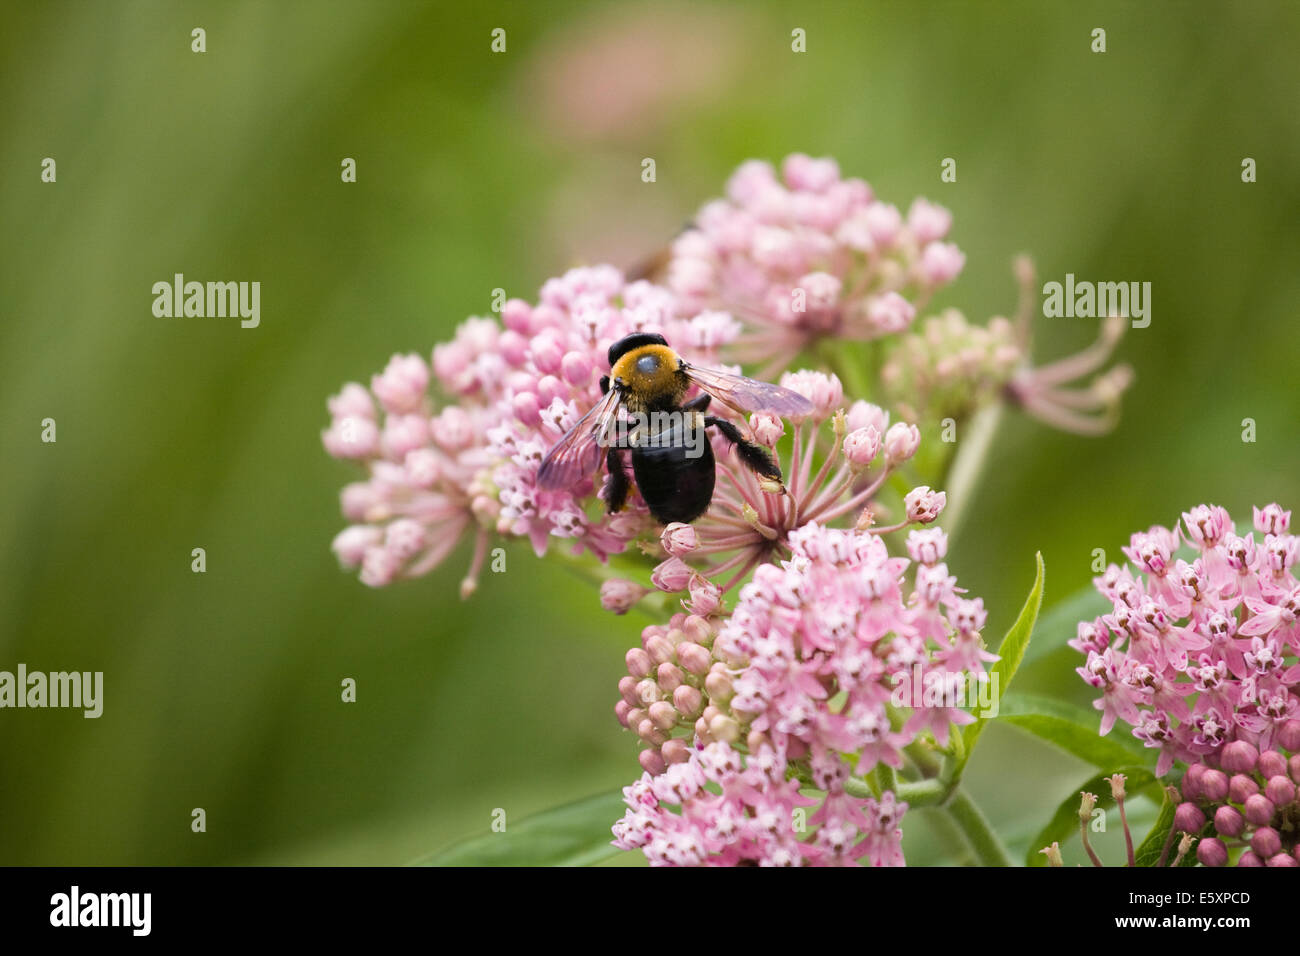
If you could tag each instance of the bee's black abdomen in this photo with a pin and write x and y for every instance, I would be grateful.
(674, 485)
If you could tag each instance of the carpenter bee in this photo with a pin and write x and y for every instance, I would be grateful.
(672, 460)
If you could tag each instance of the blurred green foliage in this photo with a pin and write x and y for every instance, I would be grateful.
(476, 172)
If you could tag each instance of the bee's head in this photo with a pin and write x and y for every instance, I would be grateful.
(647, 371)
(629, 342)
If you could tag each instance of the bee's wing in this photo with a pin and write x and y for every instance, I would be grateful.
(748, 395)
(577, 454)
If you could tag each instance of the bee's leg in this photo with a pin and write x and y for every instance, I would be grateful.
(617, 488)
(755, 457)
(700, 403)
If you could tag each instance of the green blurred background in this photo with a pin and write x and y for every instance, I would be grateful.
(479, 170)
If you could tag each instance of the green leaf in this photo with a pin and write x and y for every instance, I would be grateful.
(1074, 730)
(1065, 821)
(1010, 651)
(1149, 852)
(576, 834)
(1060, 623)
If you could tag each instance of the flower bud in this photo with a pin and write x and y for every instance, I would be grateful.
(706, 598)
(662, 714)
(1288, 736)
(1249, 859)
(688, 700)
(901, 442)
(724, 728)
(1271, 764)
(1188, 818)
(659, 648)
(1239, 757)
(1229, 822)
(697, 629)
(1241, 788)
(669, 677)
(646, 691)
(671, 575)
(1293, 767)
(1266, 842)
(675, 751)
(1259, 809)
(718, 685)
(639, 663)
(694, 658)
(651, 734)
(1280, 791)
(861, 446)
(1282, 859)
(1212, 852)
(679, 539)
(627, 687)
(767, 428)
(619, 595)
(1214, 785)
(652, 762)
(620, 711)
(1191, 785)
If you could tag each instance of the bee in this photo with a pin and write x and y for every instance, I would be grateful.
(672, 459)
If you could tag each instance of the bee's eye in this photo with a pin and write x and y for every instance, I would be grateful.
(647, 364)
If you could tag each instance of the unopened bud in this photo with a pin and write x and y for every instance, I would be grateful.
(1239, 757)
(679, 539)
(652, 762)
(1266, 842)
(675, 751)
(1280, 791)
(619, 596)
(688, 700)
(1212, 852)
(639, 663)
(1229, 822)
(669, 677)
(861, 446)
(1241, 788)
(1259, 809)
(901, 442)
(694, 658)
(1188, 818)
(1214, 785)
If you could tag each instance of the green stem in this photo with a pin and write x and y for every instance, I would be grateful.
(989, 850)
(964, 468)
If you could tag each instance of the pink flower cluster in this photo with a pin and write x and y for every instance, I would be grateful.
(810, 255)
(434, 470)
(1197, 655)
(753, 815)
(805, 672)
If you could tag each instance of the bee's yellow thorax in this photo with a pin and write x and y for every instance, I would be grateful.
(660, 385)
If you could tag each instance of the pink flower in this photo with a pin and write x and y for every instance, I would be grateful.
(1192, 681)
(809, 255)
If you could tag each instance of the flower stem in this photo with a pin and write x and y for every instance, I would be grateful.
(989, 850)
(964, 468)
